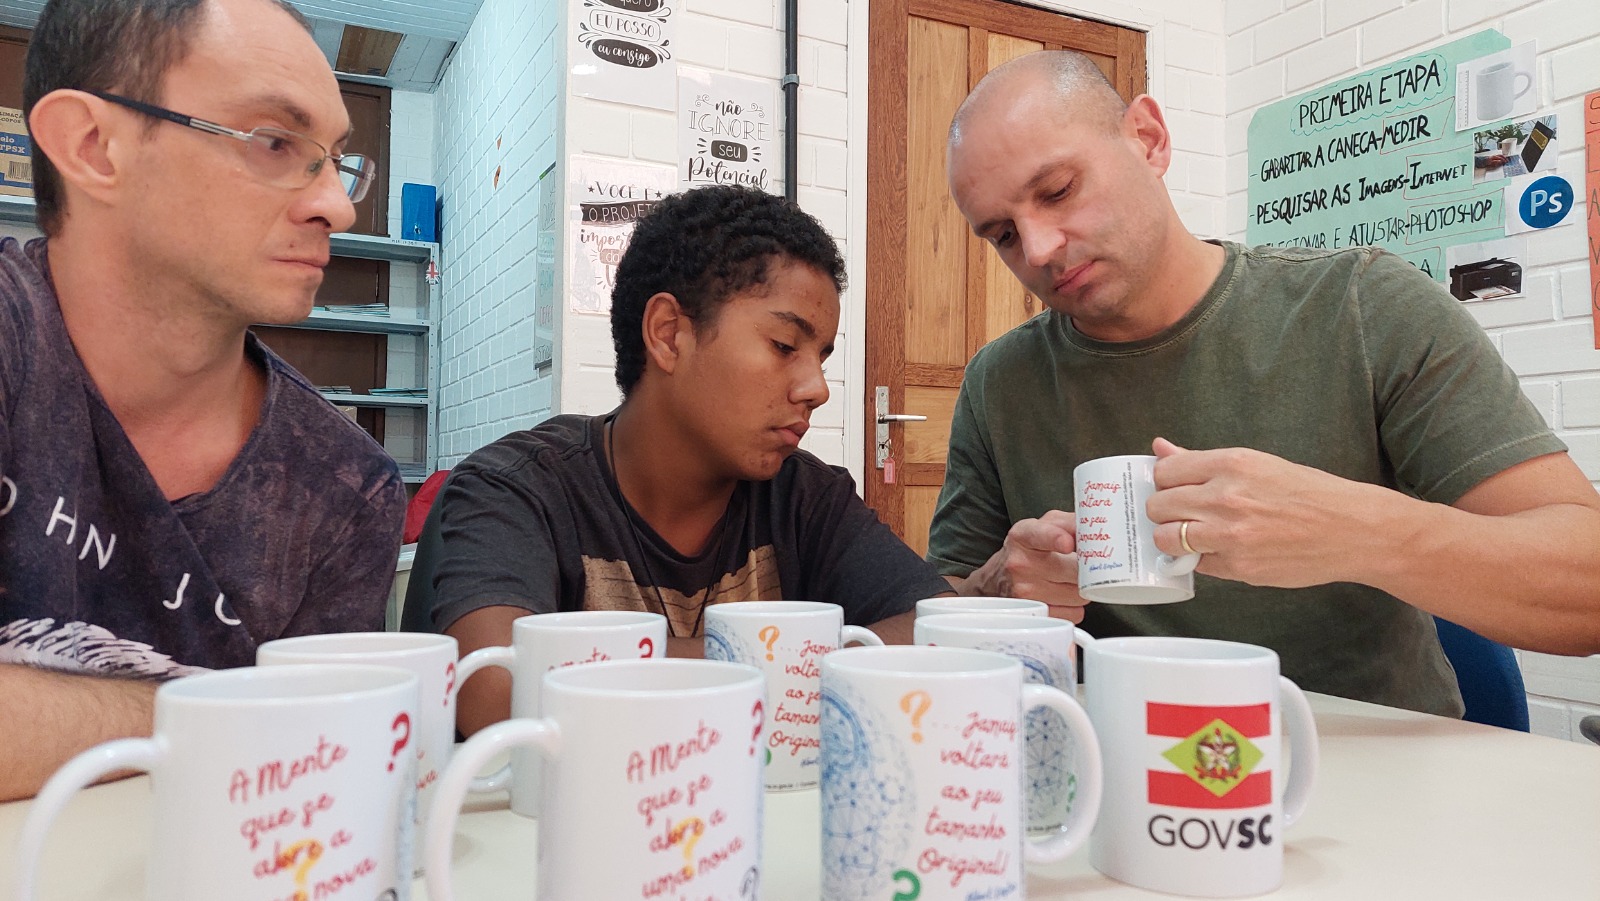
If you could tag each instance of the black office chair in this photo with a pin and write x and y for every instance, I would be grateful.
(416, 615)
(1491, 682)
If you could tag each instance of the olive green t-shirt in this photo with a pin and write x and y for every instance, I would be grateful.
(1350, 361)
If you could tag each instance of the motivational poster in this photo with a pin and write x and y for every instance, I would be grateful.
(608, 198)
(726, 127)
(547, 238)
(1375, 159)
(622, 51)
(1591, 132)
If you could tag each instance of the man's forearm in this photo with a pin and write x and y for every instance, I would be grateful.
(1530, 580)
(49, 717)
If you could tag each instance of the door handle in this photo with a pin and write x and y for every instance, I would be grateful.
(883, 419)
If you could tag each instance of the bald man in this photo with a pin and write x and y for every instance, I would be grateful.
(1349, 452)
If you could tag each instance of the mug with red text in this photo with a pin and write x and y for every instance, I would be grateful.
(923, 774)
(964, 604)
(1198, 791)
(542, 642)
(653, 785)
(1047, 649)
(1118, 561)
(431, 658)
(786, 641)
(266, 782)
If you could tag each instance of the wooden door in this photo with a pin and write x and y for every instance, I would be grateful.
(368, 106)
(13, 56)
(935, 292)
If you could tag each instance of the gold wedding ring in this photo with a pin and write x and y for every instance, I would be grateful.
(1183, 537)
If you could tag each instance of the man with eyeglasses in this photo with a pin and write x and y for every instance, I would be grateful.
(171, 493)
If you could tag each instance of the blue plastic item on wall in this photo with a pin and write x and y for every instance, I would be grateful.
(418, 219)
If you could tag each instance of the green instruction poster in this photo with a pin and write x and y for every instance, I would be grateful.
(1375, 159)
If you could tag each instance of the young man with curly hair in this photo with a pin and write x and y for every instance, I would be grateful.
(694, 491)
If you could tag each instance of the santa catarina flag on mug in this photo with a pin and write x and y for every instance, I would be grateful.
(1214, 758)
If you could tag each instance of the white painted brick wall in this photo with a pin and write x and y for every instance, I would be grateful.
(496, 110)
(1546, 335)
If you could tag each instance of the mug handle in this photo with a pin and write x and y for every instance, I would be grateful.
(1524, 87)
(1168, 565)
(1090, 776)
(457, 781)
(506, 659)
(1303, 752)
(860, 635)
(80, 772)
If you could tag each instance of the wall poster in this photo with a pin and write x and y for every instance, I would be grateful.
(622, 51)
(726, 126)
(547, 238)
(1591, 131)
(1377, 158)
(608, 197)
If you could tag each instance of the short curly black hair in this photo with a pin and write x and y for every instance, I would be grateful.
(703, 247)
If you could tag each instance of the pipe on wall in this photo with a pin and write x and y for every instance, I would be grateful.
(791, 97)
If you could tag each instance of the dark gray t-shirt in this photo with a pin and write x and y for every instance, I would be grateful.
(535, 520)
(1351, 362)
(99, 572)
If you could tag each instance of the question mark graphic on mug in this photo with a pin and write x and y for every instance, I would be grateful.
(755, 733)
(915, 704)
(401, 719)
(647, 646)
(313, 849)
(769, 635)
(690, 831)
(450, 679)
(916, 885)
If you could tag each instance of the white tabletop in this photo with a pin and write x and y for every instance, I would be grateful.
(1407, 806)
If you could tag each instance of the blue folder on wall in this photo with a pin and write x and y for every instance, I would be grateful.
(418, 212)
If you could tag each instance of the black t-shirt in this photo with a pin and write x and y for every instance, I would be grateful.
(99, 572)
(535, 520)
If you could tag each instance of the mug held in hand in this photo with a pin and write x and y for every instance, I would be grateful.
(1118, 561)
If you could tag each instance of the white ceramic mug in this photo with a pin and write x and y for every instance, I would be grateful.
(923, 774)
(654, 787)
(1198, 792)
(1498, 90)
(431, 658)
(960, 604)
(542, 642)
(274, 782)
(1047, 650)
(1118, 562)
(786, 641)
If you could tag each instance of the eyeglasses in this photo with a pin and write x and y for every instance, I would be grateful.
(281, 158)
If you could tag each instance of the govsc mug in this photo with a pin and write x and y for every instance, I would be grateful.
(1196, 789)
(265, 782)
(653, 785)
(1047, 650)
(431, 658)
(541, 642)
(923, 774)
(786, 640)
(1118, 561)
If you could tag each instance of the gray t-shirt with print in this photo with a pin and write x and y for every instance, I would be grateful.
(1351, 362)
(100, 573)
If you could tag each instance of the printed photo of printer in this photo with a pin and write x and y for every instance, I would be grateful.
(1483, 279)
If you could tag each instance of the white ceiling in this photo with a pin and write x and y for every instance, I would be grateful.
(431, 28)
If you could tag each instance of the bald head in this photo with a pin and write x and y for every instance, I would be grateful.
(1080, 90)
